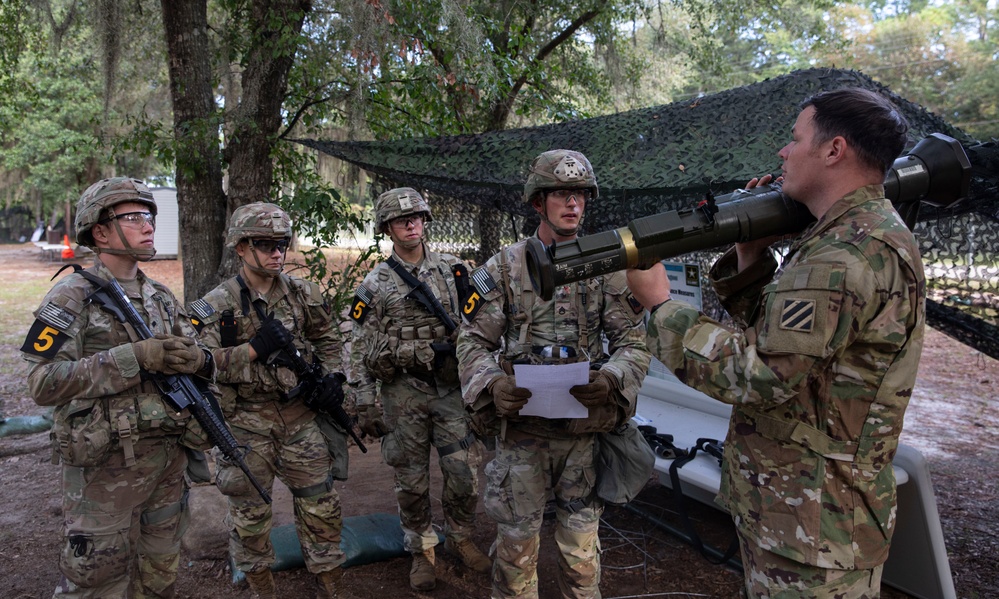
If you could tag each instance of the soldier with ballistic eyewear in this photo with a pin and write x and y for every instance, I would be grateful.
(122, 447)
(405, 313)
(249, 321)
(537, 456)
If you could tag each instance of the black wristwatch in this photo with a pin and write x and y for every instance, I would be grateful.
(209, 362)
(653, 309)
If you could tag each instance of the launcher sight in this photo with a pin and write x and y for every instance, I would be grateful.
(936, 171)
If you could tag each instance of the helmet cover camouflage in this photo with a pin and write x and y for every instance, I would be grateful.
(260, 219)
(401, 201)
(104, 195)
(560, 169)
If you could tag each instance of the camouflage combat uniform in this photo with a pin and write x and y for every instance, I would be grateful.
(420, 395)
(819, 377)
(122, 447)
(284, 436)
(535, 455)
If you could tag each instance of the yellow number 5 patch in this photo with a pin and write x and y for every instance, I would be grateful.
(43, 340)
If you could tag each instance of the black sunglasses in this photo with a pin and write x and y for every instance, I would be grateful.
(267, 246)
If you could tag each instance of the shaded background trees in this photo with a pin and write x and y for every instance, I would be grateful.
(202, 94)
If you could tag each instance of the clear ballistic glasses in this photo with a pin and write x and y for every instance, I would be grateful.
(134, 220)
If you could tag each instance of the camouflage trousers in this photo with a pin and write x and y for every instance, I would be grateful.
(517, 489)
(301, 459)
(772, 576)
(417, 422)
(123, 523)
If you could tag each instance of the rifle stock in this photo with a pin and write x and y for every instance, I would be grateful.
(936, 171)
(179, 390)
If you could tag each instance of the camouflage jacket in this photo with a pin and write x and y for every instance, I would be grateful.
(248, 385)
(80, 354)
(392, 332)
(819, 377)
(504, 312)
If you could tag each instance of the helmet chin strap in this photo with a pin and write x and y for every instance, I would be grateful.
(410, 244)
(561, 232)
(141, 255)
(259, 269)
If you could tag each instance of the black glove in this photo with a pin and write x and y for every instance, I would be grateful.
(331, 394)
(507, 396)
(270, 337)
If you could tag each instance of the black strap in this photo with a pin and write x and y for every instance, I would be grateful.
(458, 445)
(712, 447)
(421, 293)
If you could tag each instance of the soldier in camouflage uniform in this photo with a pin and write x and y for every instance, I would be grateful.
(399, 342)
(248, 321)
(122, 447)
(823, 363)
(536, 456)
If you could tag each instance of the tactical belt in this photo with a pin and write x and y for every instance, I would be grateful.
(457, 445)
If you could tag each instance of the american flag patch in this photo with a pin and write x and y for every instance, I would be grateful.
(798, 315)
(55, 316)
(364, 294)
(483, 281)
(202, 309)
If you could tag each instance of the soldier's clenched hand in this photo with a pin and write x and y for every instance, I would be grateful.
(169, 354)
(270, 337)
(595, 393)
(507, 396)
(369, 419)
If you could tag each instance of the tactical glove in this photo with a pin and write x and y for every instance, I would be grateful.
(507, 396)
(270, 337)
(169, 354)
(595, 393)
(369, 419)
(331, 395)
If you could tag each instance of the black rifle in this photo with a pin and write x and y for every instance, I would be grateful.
(421, 293)
(312, 384)
(179, 390)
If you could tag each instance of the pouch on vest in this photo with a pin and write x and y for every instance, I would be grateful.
(81, 433)
(625, 463)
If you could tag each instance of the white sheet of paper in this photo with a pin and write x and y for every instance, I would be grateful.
(549, 385)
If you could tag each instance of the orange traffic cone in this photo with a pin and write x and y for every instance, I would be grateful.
(67, 254)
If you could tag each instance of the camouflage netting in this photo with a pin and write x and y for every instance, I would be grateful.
(667, 158)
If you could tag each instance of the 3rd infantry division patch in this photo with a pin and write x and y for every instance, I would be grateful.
(798, 315)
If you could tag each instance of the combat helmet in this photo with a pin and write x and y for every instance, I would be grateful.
(560, 169)
(104, 195)
(401, 201)
(260, 219)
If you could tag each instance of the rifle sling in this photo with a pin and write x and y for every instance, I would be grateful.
(426, 298)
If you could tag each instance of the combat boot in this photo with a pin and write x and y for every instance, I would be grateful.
(469, 554)
(421, 575)
(328, 582)
(262, 584)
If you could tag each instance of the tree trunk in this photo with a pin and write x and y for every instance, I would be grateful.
(274, 29)
(200, 198)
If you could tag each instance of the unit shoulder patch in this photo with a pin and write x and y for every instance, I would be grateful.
(362, 304)
(797, 315)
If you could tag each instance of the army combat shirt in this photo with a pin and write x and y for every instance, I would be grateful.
(497, 312)
(819, 372)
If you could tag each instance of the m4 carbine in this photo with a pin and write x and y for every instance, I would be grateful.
(937, 171)
(313, 387)
(181, 391)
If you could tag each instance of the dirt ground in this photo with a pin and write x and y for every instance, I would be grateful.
(952, 420)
